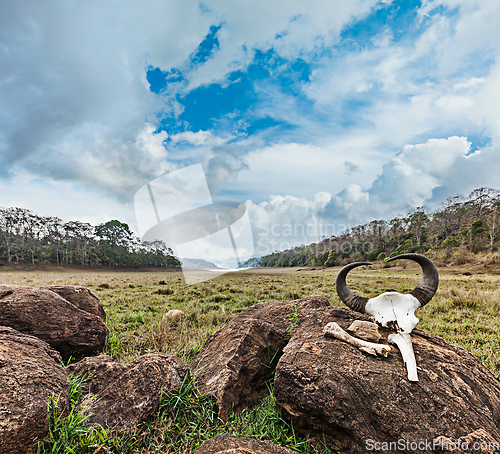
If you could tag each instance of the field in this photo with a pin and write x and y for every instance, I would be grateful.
(465, 311)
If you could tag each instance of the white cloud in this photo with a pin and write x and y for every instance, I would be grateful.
(73, 99)
(286, 221)
(92, 156)
(473, 81)
(436, 156)
(414, 83)
(404, 114)
(291, 27)
(454, 104)
(73, 94)
(407, 181)
(197, 138)
(68, 201)
(222, 165)
(411, 178)
(363, 87)
(300, 170)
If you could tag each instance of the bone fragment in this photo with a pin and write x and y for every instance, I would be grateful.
(403, 341)
(334, 330)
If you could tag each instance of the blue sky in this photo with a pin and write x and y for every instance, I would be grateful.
(330, 113)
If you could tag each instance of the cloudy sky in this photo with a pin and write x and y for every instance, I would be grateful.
(319, 113)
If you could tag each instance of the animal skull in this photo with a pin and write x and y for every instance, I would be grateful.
(393, 309)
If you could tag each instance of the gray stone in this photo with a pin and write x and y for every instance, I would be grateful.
(365, 330)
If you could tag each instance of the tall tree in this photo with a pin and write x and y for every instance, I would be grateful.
(418, 220)
(115, 233)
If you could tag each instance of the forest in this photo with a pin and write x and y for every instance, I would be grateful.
(460, 229)
(27, 238)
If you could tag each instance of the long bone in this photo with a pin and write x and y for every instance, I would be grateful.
(393, 309)
(334, 330)
(403, 341)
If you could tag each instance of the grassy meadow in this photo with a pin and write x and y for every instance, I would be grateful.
(465, 311)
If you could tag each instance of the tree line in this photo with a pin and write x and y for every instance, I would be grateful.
(26, 237)
(461, 225)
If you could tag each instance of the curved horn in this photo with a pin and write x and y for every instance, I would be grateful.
(428, 285)
(348, 297)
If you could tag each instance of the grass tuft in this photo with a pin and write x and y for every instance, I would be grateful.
(185, 419)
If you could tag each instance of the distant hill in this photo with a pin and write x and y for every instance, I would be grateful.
(251, 263)
(199, 264)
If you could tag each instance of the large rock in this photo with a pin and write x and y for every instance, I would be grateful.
(51, 318)
(329, 386)
(121, 396)
(229, 444)
(280, 313)
(30, 373)
(98, 371)
(237, 361)
(81, 297)
(5, 287)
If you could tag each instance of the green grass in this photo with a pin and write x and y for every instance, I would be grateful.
(464, 311)
(184, 420)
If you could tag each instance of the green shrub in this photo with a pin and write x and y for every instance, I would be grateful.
(450, 242)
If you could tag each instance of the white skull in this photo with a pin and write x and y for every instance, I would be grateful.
(394, 310)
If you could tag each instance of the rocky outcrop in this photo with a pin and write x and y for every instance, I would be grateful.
(30, 373)
(329, 386)
(51, 318)
(238, 360)
(121, 396)
(81, 297)
(229, 444)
